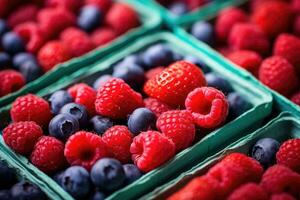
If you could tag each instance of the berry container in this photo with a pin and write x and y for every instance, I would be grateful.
(283, 127)
(149, 22)
(258, 96)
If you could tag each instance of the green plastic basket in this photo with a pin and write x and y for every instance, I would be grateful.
(215, 141)
(284, 127)
(202, 13)
(149, 22)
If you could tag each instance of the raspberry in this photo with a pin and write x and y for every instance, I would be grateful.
(24, 13)
(48, 154)
(244, 36)
(116, 99)
(254, 4)
(297, 26)
(29, 107)
(278, 179)
(199, 188)
(249, 191)
(208, 106)
(178, 126)
(156, 106)
(249, 60)
(84, 95)
(295, 5)
(278, 74)
(226, 20)
(22, 136)
(174, 83)
(11, 81)
(150, 150)
(289, 154)
(282, 196)
(103, 5)
(84, 149)
(103, 36)
(153, 72)
(273, 18)
(118, 140)
(120, 13)
(77, 41)
(32, 35)
(71, 5)
(6, 6)
(53, 53)
(296, 98)
(53, 20)
(288, 47)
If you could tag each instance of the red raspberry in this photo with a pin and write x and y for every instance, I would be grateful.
(48, 154)
(249, 165)
(174, 83)
(77, 41)
(153, 72)
(31, 33)
(288, 47)
(254, 4)
(249, 60)
(120, 13)
(297, 26)
(29, 107)
(53, 53)
(227, 19)
(296, 98)
(282, 196)
(6, 6)
(24, 13)
(278, 179)
(118, 140)
(178, 126)
(208, 106)
(103, 36)
(194, 4)
(115, 99)
(103, 5)
(53, 20)
(278, 74)
(249, 191)
(295, 5)
(199, 188)
(156, 106)
(150, 150)
(71, 5)
(84, 95)
(244, 36)
(11, 81)
(22, 136)
(84, 149)
(289, 154)
(273, 18)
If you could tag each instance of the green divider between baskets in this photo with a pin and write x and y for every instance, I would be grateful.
(203, 12)
(149, 22)
(283, 127)
(215, 141)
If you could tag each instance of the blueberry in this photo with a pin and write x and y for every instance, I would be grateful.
(132, 74)
(134, 59)
(108, 174)
(62, 126)
(58, 99)
(198, 62)
(20, 58)
(132, 173)
(97, 196)
(58, 177)
(5, 195)
(157, 55)
(76, 181)
(101, 81)
(5, 60)
(237, 105)
(12, 43)
(142, 119)
(30, 70)
(7, 176)
(216, 81)
(203, 31)
(100, 124)
(89, 18)
(3, 27)
(177, 56)
(264, 151)
(77, 111)
(25, 190)
(178, 8)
